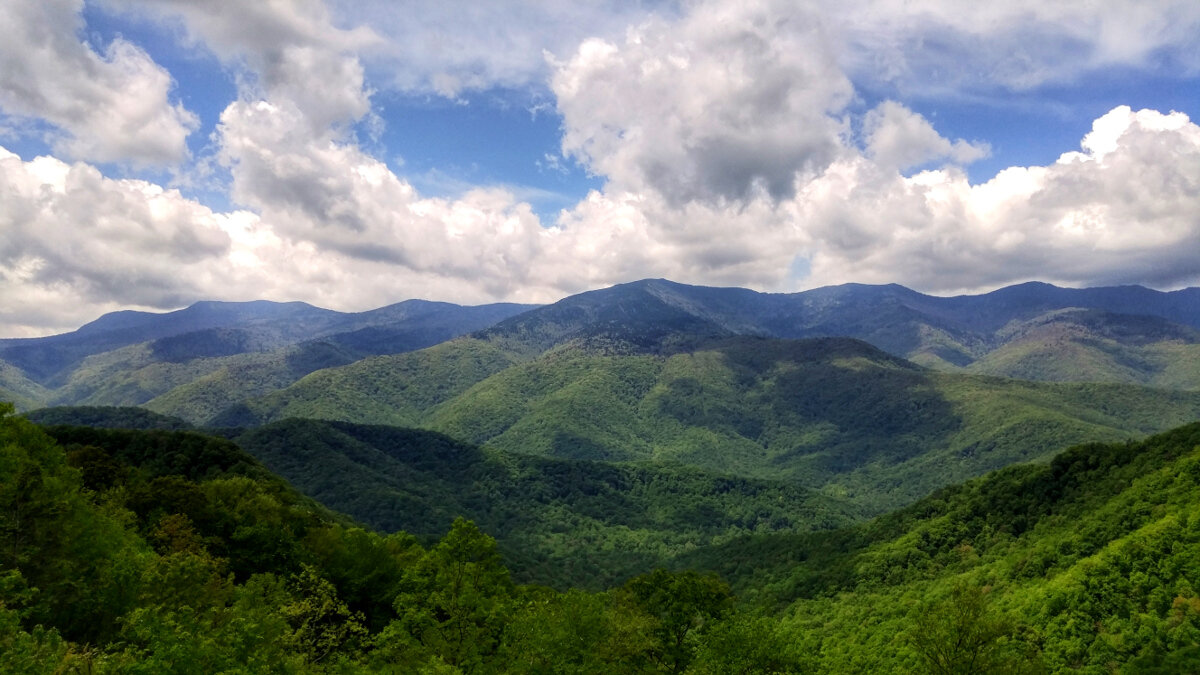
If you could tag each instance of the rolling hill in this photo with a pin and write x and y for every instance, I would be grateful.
(149, 545)
(834, 414)
(566, 523)
(198, 361)
(1083, 564)
(559, 522)
(231, 351)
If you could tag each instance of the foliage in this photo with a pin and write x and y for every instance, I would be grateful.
(454, 601)
(559, 522)
(111, 563)
(683, 606)
(109, 417)
(835, 415)
(960, 636)
(1089, 563)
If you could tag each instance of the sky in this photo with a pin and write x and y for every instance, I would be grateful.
(356, 153)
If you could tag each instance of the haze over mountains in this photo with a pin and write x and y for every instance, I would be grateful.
(1127, 333)
(128, 358)
(874, 393)
(658, 425)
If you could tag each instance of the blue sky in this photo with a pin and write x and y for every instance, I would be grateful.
(351, 155)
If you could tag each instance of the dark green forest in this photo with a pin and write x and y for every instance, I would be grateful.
(174, 551)
(156, 551)
(650, 478)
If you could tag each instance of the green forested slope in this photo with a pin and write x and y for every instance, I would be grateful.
(834, 414)
(398, 389)
(106, 417)
(576, 523)
(1092, 346)
(127, 551)
(19, 389)
(245, 376)
(1090, 563)
(198, 362)
(132, 375)
(173, 552)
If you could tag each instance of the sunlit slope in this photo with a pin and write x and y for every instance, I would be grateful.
(399, 389)
(1090, 561)
(19, 390)
(245, 376)
(835, 414)
(1094, 346)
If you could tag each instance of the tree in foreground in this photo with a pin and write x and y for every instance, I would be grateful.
(961, 635)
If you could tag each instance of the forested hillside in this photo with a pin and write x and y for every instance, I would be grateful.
(152, 552)
(832, 414)
(198, 362)
(1086, 564)
(689, 487)
(566, 523)
(127, 551)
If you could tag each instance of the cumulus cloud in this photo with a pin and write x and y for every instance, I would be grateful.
(899, 138)
(729, 103)
(109, 107)
(452, 47)
(336, 196)
(68, 235)
(723, 132)
(1123, 210)
(283, 49)
(74, 244)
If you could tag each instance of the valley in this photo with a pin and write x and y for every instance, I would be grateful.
(833, 475)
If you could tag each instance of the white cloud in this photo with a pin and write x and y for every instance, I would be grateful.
(945, 48)
(288, 49)
(723, 135)
(74, 244)
(727, 156)
(727, 104)
(110, 107)
(1121, 211)
(899, 138)
(456, 46)
(70, 238)
(334, 195)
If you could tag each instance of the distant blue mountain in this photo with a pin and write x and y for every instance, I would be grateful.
(656, 314)
(208, 329)
(652, 315)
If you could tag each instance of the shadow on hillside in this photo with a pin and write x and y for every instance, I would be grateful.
(834, 405)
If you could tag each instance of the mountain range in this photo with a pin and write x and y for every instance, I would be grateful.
(875, 394)
(1033, 331)
(130, 358)
(879, 472)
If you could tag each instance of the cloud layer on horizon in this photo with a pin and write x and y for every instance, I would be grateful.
(730, 137)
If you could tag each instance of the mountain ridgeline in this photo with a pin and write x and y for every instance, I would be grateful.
(1032, 331)
(872, 394)
(217, 351)
(698, 480)
(953, 331)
